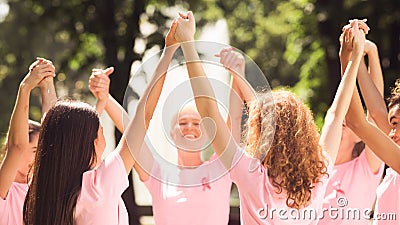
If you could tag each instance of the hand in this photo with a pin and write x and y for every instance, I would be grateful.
(47, 81)
(99, 83)
(346, 38)
(186, 27)
(38, 70)
(353, 23)
(170, 38)
(359, 38)
(345, 43)
(232, 60)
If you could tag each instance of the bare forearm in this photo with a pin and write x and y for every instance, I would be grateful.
(346, 86)
(18, 140)
(332, 130)
(19, 127)
(117, 114)
(379, 143)
(49, 97)
(203, 92)
(100, 106)
(160, 72)
(373, 98)
(235, 112)
(375, 70)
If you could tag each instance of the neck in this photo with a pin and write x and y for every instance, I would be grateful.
(189, 159)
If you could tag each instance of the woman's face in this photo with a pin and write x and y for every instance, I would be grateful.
(29, 156)
(394, 121)
(187, 133)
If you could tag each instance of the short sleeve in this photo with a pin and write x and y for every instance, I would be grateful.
(244, 168)
(3, 210)
(109, 179)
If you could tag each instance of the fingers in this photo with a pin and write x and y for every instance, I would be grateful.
(43, 70)
(34, 64)
(183, 16)
(341, 37)
(347, 33)
(98, 88)
(109, 70)
(361, 24)
(190, 16)
(99, 82)
(231, 60)
(173, 27)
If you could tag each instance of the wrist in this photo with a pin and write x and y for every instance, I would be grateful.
(171, 46)
(170, 50)
(101, 104)
(372, 51)
(46, 84)
(25, 86)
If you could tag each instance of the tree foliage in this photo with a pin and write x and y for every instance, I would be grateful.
(294, 42)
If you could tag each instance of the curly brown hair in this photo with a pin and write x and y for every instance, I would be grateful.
(394, 98)
(294, 160)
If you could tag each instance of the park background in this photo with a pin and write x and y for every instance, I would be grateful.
(294, 42)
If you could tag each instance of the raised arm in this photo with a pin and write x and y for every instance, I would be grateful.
(234, 62)
(384, 147)
(332, 129)
(100, 83)
(223, 143)
(47, 90)
(130, 146)
(371, 85)
(18, 132)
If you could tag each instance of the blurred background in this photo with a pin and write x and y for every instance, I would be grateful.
(294, 42)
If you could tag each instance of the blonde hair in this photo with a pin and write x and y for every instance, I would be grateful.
(294, 160)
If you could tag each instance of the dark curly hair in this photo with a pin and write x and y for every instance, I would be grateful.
(394, 98)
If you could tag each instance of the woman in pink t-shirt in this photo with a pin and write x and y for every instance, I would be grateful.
(387, 205)
(193, 191)
(71, 184)
(288, 174)
(22, 141)
(354, 179)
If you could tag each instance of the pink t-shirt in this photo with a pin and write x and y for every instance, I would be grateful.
(260, 204)
(387, 207)
(350, 194)
(11, 208)
(195, 196)
(100, 199)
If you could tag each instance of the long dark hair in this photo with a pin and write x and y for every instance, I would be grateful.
(65, 151)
